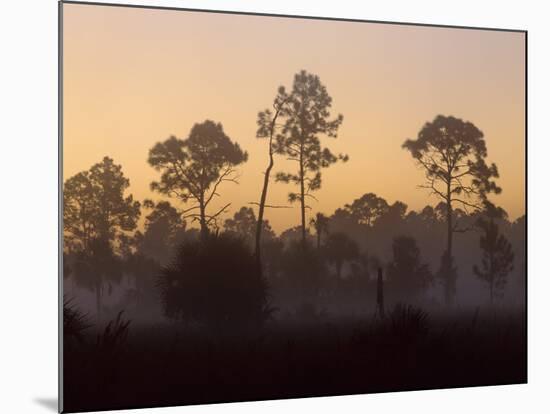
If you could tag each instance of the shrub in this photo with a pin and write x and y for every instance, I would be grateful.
(408, 322)
(75, 322)
(215, 281)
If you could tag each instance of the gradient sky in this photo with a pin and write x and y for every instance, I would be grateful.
(132, 77)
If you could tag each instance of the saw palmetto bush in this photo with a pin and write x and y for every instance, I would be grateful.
(408, 322)
(75, 322)
(215, 281)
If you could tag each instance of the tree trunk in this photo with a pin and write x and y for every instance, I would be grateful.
(449, 282)
(204, 226)
(263, 197)
(261, 208)
(302, 198)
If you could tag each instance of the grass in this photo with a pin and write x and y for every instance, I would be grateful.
(171, 364)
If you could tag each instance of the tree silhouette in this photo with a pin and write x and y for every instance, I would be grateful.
(293, 234)
(452, 153)
(302, 268)
(343, 221)
(97, 268)
(194, 168)
(144, 270)
(267, 125)
(391, 223)
(517, 238)
(338, 249)
(162, 227)
(497, 253)
(320, 223)
(215, 281)
(306, 117)
(244, 224)
(406, 272)
(94, 205)
(395, 212)
(359, 277)
(95, 218)
(367, 209)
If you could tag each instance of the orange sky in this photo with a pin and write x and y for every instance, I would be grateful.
(132, 77)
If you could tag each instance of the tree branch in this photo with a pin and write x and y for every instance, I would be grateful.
(213, 217)
(221, 178)
(268, 206)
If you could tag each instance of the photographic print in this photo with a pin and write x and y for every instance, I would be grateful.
(262, 207)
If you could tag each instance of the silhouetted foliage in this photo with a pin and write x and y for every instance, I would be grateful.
(110, 349)
(497, 255)
(163, 227)
(406, 273)
(94, 205)
(517, 237)
(306, 117)
(294, 234)
(114, 336)
(144, 271)
(97, 268)
(303, 269)
(367, 209)
(215, 281)
(394, 214)
(194, 168)
(359, 276)
(272, 253)
(452, 153)
(75, 322)
(339, 249)
(243, 224)
(408, 323)
(321, 225)
(128, 244)
(447, 275)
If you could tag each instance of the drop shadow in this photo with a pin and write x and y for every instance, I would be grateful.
(49, 403)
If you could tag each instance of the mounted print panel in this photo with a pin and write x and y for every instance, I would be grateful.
(261, 207)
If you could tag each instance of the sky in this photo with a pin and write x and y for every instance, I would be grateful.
(132, 77)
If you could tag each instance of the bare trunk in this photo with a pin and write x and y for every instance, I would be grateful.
(449, 282)
(302, 198)
(261, 208)
(263, 197)
(204, 226)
